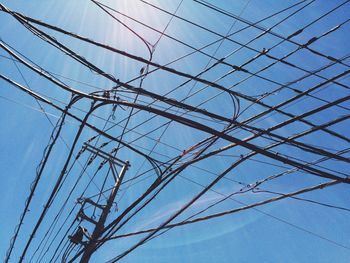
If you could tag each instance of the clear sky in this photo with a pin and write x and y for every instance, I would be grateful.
(289, 230)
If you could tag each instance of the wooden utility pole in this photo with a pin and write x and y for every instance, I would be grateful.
(99, 227)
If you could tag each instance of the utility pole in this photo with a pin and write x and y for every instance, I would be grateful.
(99, 225)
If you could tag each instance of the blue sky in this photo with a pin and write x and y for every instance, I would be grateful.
(285, 231)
